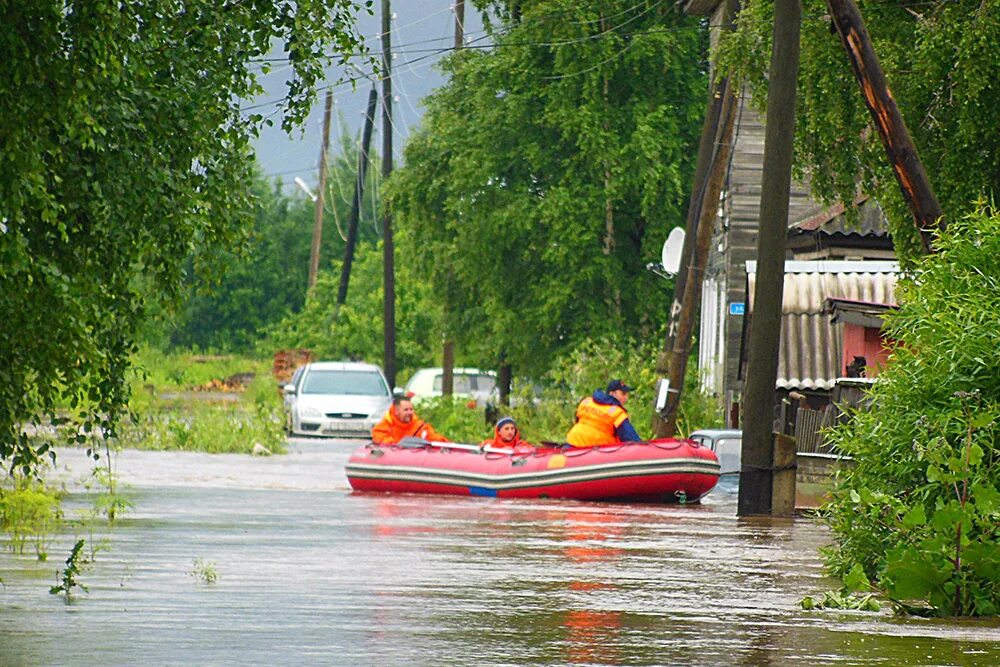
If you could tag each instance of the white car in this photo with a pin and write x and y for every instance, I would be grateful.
(336, 398)
(468, 383)
(727, 445)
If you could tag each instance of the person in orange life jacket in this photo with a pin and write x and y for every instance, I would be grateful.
(505, 434)
(601, 419)
(400, 421)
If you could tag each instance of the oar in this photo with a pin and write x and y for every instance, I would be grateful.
(419, 442)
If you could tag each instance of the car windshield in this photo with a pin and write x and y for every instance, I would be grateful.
(357, 383)
(465, 383)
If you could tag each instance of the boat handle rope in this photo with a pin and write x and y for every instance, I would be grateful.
(676, 445)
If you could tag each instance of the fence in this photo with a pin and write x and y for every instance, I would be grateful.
(809, 425)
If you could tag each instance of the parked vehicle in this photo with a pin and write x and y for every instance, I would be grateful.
(727, 445)
(468, 383)
(336, 398)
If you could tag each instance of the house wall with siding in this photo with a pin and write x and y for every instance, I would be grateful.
(736, 236)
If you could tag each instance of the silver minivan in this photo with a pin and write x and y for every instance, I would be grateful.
(336, 399)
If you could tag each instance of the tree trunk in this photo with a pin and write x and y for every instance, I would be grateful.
(504, 378)
(448, 367)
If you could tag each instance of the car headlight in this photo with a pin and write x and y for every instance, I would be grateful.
(310, 412)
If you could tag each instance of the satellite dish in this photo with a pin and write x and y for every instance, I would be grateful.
(672, 247)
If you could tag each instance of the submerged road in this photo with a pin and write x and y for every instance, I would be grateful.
(307, 573)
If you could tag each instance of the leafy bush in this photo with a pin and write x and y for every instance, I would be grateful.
(590, 365)
(453, 418)
(31, 513)
(920, 510)
(187, 371)
(203, 424)
(587, 367)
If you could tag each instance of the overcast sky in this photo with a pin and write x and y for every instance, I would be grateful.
(422, 30)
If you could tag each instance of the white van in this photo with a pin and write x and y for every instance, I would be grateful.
(469, 383)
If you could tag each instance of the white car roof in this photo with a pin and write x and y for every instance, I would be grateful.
(464, 370)
(717, 433)
(342, 366)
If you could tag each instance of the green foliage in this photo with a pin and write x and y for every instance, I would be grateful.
(547, 173)
(76, 564)
(453, 418)
(939, 61)
(589, 366)
(354, 331)
(108, 501)
(173, 371)
(204, 571)
(166, 416)
(267, 281)
(30, 513)
(920, 509)
(125, 152)
(853, 595)
(205, 427)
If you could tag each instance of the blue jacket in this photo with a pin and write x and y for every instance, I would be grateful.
(625, 431)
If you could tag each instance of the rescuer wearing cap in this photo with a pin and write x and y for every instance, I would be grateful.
(601, 419)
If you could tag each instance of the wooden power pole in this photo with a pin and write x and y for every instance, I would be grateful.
(388, 270)
(696, 266)
(899, 147)
(359, 188)
(448, 347)
(459, 24)
(709, 175)
(317, 237)
(765, 325)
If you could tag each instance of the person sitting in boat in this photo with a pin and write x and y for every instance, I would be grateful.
(601, 419)
(400, 421)
(506, 434)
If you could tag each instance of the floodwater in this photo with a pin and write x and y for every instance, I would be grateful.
(310, 574)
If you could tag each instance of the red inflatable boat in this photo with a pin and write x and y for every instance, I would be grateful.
(656, 471)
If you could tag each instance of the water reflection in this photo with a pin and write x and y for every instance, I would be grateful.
(311, 574)
(592, 633)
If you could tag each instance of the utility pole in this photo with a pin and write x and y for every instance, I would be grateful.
(388, 271)
(317, 236)
(899, 147)
(359, 188)
(448, 348)
(757, 472)
(710, 170)
(459, 24)
(696, 268)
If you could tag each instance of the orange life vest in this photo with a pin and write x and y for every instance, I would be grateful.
(596, 424)
(390, 430)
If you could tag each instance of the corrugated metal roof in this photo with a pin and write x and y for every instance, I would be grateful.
(870, 221)
(809, 355)
(810, 352)
(808, 285)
